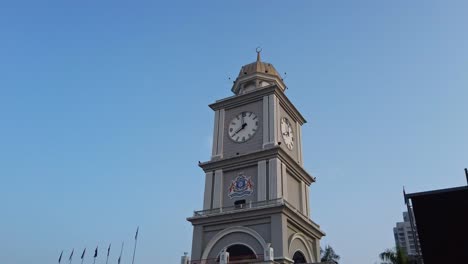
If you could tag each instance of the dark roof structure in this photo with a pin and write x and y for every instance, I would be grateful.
(441, 218)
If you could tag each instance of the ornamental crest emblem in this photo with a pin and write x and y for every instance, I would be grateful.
(241, 186)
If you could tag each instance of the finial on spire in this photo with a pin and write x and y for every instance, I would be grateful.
(258, 50)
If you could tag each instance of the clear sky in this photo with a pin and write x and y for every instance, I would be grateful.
(104, 117)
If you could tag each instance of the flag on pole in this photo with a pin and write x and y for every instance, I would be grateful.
(136, 234)
(108, 250)
(95, 252)
(82, 255)
(71, 255)
(60, 258)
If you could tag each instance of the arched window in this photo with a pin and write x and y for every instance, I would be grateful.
(299, 257)
(238, 253)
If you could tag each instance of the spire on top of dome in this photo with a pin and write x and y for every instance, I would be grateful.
(258, 50)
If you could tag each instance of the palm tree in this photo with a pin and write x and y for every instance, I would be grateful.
(394, 256)
(329, 255)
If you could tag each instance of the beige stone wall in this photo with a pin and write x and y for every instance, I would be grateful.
(294, 191)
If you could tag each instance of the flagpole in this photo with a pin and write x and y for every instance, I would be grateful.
(108, 250)
(60, 258)
(134, 248)
(121, 250)
(95, 255)
(82, 255)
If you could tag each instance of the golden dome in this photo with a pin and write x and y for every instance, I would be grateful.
(258, 67)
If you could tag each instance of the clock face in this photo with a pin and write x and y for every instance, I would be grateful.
(243, 127)
(287, 132)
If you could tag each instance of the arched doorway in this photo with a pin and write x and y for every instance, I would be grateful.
(240, 254)
(299, 257)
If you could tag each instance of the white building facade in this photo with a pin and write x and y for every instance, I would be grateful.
(404, 237)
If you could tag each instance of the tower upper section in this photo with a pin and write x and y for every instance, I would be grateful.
(258, 117)
(257, 75)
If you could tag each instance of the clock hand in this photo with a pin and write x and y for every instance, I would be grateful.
(240, 128)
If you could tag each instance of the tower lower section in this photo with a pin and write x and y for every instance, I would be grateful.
(274, 231)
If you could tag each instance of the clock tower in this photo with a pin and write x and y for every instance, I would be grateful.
(256, 201)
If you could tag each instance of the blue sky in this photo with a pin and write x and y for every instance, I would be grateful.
(103, 115)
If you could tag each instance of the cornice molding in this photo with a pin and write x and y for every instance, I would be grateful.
(289, 107)
(303, 223)
(243, 99)
(236, 87)
(251, 159)
(300, 221)
(240, 215)
(257, 95)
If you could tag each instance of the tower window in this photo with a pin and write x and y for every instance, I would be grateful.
(240, 254)
(239, 203)
(299, 257)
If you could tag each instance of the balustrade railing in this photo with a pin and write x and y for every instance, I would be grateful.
(244, 206)
(243, 259)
